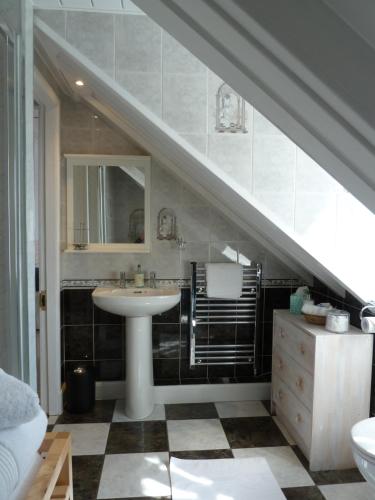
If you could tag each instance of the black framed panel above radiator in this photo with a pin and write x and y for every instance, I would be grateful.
(209, 311)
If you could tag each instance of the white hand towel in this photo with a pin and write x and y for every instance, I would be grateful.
(19, 403)
(224, 281)
(18, 446)
(225, 478)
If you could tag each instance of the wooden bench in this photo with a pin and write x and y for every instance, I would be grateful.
(54, 479)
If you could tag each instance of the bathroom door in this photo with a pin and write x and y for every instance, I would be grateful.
(17, 330)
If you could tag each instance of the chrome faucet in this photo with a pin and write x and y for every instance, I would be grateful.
(152, 279)
(122, 279)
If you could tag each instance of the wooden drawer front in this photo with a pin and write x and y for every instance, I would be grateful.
(299, 381)
(295, 342)
(299, 418)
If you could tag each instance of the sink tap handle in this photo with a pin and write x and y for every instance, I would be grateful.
(122, 279)
(152, 279)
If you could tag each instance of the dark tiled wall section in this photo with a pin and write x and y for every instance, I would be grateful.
(93, 337)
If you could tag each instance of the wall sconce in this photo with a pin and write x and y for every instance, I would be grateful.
(230, 110)
(167, 227)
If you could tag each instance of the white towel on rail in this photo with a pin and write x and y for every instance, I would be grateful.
(224, 281)
(224, 479)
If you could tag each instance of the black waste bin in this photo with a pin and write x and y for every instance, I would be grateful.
(80, 390)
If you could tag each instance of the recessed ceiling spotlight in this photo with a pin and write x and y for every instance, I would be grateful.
(79, 83)
(95, 117)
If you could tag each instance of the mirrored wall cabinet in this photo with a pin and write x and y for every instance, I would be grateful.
(108, 203)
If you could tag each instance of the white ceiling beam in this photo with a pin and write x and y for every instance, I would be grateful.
(324, 118)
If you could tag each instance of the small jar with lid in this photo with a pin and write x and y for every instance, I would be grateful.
(337, 321)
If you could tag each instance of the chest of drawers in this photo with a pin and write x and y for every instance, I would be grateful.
(321, 385)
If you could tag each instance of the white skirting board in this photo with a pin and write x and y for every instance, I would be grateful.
(197, 393)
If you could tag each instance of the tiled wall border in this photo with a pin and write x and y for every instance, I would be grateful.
(179, 282)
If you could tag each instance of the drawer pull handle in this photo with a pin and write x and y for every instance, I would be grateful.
(302, 349)
(299, 383)
(298, 418)
(280, 394)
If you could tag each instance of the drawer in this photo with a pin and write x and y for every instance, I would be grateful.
(298, 344)
(298, 417)
(299, 381)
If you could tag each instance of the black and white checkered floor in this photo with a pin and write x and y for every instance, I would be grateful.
(116, 458)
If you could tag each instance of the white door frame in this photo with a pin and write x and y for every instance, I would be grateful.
(48, 100)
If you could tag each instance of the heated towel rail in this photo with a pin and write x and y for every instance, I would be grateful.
(207, 311)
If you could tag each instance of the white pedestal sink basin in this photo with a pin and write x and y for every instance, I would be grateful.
(138, 305)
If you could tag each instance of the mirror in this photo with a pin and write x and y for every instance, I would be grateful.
(108, 203)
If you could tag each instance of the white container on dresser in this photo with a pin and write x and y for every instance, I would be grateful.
(321, 384)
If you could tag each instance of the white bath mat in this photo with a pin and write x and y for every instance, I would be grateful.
(223, 479)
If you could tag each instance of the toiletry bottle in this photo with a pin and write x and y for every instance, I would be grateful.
(139, 277)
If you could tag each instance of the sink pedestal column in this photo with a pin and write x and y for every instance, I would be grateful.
(139, 392)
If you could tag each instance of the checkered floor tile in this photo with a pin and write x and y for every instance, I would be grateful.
(117, 458)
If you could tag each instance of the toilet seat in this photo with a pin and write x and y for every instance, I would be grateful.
(363, 438)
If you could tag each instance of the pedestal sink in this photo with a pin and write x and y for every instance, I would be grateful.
(138, 305)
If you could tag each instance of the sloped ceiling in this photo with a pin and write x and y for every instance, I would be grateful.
(124, 111)
(297, 62)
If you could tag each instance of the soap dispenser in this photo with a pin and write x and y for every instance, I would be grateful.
(139, 277)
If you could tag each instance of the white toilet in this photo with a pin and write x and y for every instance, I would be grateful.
(363, 446)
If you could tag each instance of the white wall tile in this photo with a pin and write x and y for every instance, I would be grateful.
(315, 222)
(146, 87)
(264, 126)
(232, 153)
(138, 44)
(190, 198)
(310, 177)
(223, 251)
(221, 229)
(198, 141)
(250, 251)
(273, 163)
(193, 223)
(93, 35)
(193, 252)
(184, 103)
(209, 235)
(279, 204)
(177, 59)
(54, 18)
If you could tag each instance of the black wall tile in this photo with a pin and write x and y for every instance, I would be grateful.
(108, 341)
(267, 334)
(78, 307)
(166, 340)
(185, 302)
(171, 316)
(222, 334)
(195, 372)
(110, 370)
(245, 334)
(219, 371)
(105, 318)
(275, 298)
(102, 341)
(166, 368)
(78, 342)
